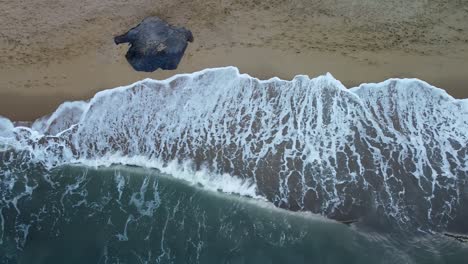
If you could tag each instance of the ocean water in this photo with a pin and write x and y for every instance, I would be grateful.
(220, 167)
(77, 214)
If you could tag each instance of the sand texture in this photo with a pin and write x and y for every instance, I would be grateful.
(57, 50)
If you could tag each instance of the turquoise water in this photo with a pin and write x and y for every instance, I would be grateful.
(376, 154)
(77, 214)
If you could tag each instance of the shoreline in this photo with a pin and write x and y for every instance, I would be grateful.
(48, 57)
(82, 77)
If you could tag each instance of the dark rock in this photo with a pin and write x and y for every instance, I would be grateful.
(155, 44)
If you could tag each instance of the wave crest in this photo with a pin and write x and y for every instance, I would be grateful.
(396, 150)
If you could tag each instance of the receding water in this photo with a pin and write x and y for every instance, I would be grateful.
(392, 156)
(77, 214)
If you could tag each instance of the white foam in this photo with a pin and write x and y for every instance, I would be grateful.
(6, 127)
(298, 139)
(66, 115)
(209, 180)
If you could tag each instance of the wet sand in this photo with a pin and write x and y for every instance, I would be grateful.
(57, 50)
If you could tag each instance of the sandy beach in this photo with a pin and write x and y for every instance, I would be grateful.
(60, 50)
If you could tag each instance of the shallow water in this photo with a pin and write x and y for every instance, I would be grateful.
(377, 154)
(77, 214)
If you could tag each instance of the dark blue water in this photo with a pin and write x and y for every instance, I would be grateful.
(76, 214)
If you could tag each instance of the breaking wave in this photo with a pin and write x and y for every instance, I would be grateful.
(392, 153)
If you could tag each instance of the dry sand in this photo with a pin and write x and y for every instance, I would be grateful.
(57, 50)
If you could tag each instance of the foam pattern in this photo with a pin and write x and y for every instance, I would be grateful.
(395, 149)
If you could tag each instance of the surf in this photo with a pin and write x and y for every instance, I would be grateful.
(392, 153)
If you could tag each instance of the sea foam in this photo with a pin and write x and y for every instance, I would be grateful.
(395, 149)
